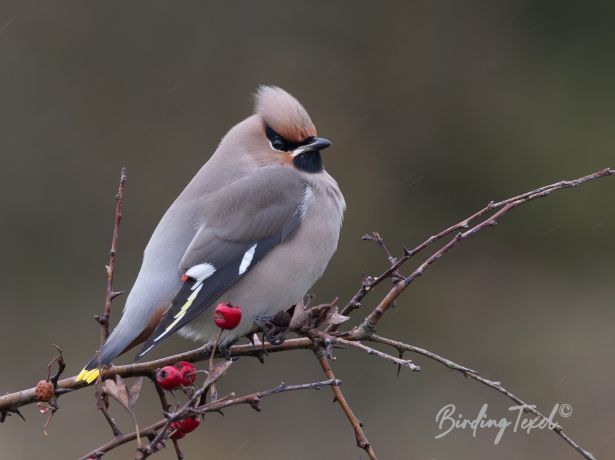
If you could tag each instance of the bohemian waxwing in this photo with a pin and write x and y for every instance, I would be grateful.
(255, 227)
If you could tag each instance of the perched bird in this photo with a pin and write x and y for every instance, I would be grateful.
(255, 227)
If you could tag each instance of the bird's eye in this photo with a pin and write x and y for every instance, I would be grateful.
(278, 144)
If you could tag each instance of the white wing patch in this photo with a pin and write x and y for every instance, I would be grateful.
(200, 273)
(247, 260)
(182, 311)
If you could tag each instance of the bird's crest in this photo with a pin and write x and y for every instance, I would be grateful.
(284, 114)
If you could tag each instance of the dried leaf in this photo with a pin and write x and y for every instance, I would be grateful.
(322, 316)
(334, 318)
(133, 394)
(219, 369)
(117, 390)
(299, 318)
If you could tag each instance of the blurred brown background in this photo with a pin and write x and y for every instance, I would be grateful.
(434, 107)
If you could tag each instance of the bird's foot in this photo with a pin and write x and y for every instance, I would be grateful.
(274, 328)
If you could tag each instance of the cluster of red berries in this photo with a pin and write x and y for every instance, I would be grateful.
(226, 316)
(172, 377)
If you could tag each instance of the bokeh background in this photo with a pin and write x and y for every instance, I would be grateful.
(435, 108)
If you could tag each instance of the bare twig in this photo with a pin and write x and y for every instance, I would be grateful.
(165, 409)
(213, 392)
(474, 375)
(362, 440)
(369, 283)
(110, 268)
(376, 238)
(369, 323)
(24, 397)
(527, 196)
(102, 405)
(59, 359)
(372, 351)
(252, 399)
(102, 400)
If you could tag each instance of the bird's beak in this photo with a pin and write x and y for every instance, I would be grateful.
(317, 144)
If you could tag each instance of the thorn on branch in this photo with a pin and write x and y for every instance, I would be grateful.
(255, 406)
(401, 356)
(8, 412)
(101, 320)
(115, 294)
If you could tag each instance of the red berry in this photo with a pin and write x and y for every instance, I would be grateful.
(176, 430)
(187, 371)
(189, 424)
(179, 428)
(168, 378)
(227, 316)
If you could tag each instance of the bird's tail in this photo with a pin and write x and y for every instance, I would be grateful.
(90, 372)
(118, 342)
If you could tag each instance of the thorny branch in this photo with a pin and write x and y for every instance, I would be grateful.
(59, 360)
(370, 322)
(165, 409)
(474, 375)
(102, 400)
(252, 400)
(318, 333)
(110, 268)
(362, 440)
(371, 282)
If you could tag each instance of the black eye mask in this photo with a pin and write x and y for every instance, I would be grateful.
(309, 161)
(281, 144)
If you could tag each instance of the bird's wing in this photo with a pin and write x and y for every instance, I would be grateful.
(244, 221)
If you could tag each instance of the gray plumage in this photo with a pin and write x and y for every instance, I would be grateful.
(260, 223)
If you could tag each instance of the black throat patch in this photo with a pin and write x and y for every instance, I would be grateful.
(310, 161)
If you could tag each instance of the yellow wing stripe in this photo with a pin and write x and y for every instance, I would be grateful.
(182, 311)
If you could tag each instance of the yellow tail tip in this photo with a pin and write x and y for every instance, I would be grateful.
(79, 378)
(87, 376)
